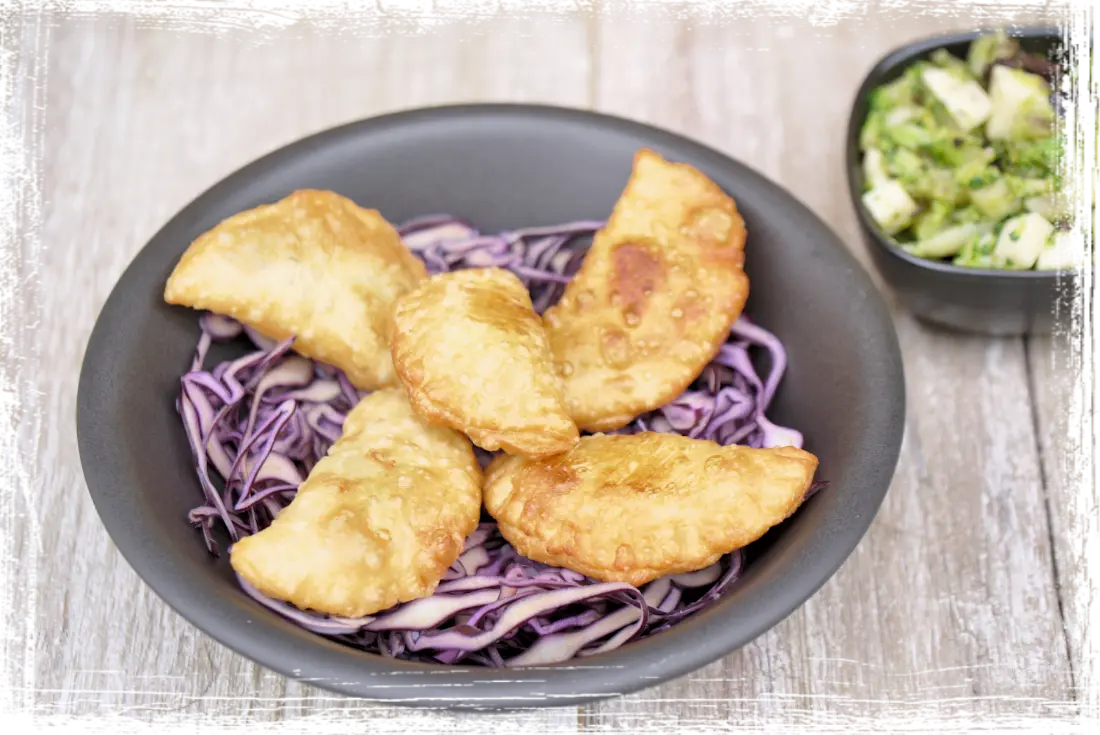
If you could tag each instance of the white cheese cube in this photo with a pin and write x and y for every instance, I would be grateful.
(1022, 238)
(1063, 250)
(1009, 91)
(964, 99)
(890, 205)
(874, 167)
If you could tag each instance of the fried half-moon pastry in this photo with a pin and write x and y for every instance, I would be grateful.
(472, 354)
(654, 298)
(314, 266)
(632, 508)
(377, 522)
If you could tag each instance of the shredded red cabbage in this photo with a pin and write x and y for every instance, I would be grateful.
(261, 422)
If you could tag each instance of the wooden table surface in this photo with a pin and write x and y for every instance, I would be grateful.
(958, 606)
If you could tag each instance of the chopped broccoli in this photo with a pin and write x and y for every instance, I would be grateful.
(987, 49)
(978, 178)
(902, 92)
(905, 127)
(1029, 187)
(996, 201)
(921, 177)
(905, 164)
(1030, 158)
(960, 150)
(947, 242)
(947, 61)
(932, 220)
(978, 252)
(961, 157)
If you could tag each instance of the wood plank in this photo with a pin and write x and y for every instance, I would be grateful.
(1064, 369)
(948, 604)
(1063, 419)
(140, 120)
(949, 599)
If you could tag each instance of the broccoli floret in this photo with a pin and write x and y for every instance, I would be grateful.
(995, 201)
(947, 242)
(945, 60)
(974, 177)
(978, 252)
(899, 127)
(905, 91)
(870, 135)
(960, 150)
(987, 49)
(905, 164)
(976, 173)
(932, 220)
(911, 135)
(1030, 187)
(1030, 158)
(937, 184)
(967, 216)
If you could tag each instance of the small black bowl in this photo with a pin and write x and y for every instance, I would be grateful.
(995, 302)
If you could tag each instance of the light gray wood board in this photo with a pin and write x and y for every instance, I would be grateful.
(139, 121)
(1063, 383)
(949, 602)
(1062, 404)
(952, 587)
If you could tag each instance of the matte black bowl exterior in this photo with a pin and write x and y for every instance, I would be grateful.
(500, 166)
(991, 302)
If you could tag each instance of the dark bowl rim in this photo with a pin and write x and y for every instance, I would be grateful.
(675, 663)
(903, 56)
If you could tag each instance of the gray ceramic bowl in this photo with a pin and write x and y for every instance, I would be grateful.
(995, 302)
(500, 167)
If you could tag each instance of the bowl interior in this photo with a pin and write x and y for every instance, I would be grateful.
(1046, 41)
(499, 167)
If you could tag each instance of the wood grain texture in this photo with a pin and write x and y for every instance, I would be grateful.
(951, 595)
(139, 121)
(950, 605)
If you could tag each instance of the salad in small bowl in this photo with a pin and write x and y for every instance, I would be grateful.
(992, 161)
(954, 168)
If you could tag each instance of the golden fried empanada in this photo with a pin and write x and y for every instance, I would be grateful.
(377, 522)
(631, 508)
(315, 266)
(654, 299)
(473, 355)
